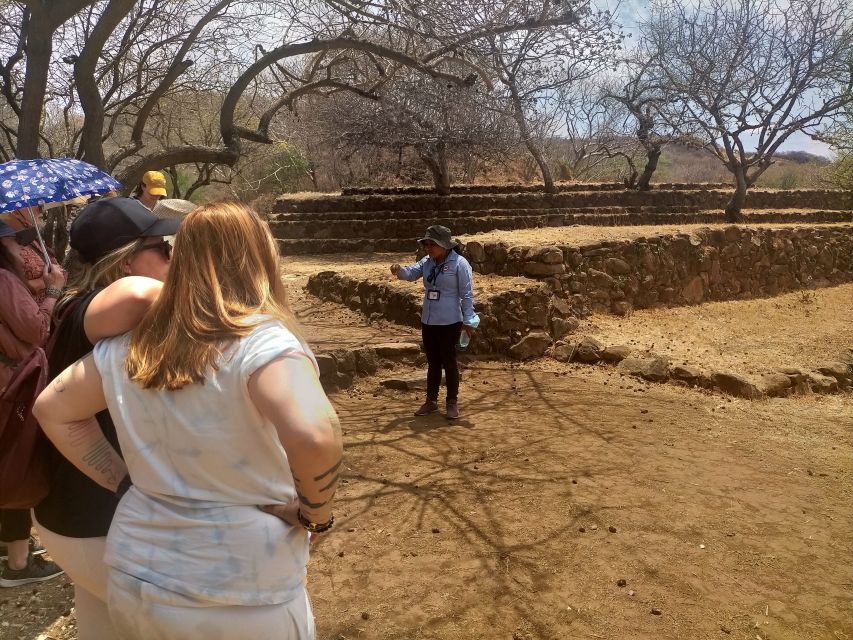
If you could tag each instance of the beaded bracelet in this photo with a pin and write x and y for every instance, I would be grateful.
(53, 292)
(313, 527)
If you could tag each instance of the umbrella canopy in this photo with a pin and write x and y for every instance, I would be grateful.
(27, 183)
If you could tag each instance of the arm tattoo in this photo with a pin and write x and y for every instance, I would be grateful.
(100, 459)
(77, 432)
(59, 383)
(311, 505)
(327, 472)
(98, 456)
(331, 484)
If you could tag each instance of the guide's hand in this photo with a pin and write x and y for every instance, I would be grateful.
(395, 268)
(468, 330)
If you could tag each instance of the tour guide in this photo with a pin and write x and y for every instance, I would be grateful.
(448, 308)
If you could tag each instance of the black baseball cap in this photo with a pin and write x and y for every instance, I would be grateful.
(110, 223)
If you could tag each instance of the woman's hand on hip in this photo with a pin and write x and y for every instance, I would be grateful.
(285, 512)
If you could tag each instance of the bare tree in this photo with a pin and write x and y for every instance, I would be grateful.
(533, 66)
(593, 131)
(747, 74)
(641, 100)
(839, 135)
(443, 123)
(97, 73)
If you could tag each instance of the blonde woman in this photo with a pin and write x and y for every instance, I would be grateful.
(218, 409)
(119, 256)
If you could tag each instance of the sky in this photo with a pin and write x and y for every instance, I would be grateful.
(631, 11)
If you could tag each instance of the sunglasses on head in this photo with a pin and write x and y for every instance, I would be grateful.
(164, 247)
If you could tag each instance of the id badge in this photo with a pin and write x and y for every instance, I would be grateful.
(433, 294)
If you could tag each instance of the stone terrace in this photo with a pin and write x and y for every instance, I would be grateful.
(523, 318)
(376, 222)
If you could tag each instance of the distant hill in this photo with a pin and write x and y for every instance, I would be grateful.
(804, 157)
(790, 170)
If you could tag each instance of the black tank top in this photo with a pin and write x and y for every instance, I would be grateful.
(76, 507)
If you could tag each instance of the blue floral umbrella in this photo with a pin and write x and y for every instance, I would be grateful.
(28, 183)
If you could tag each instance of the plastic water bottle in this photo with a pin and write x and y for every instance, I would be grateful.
(464, 338)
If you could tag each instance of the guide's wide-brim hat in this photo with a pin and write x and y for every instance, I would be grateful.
(439, 235)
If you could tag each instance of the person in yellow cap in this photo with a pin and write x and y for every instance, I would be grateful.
(151, 189)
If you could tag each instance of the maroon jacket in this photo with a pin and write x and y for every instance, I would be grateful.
(23, 453)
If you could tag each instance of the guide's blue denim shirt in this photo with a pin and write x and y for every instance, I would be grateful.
(453, 280)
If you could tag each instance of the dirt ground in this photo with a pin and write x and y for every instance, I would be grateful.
(725, 518)
(730, 518)
(577, 234)
(802, 329)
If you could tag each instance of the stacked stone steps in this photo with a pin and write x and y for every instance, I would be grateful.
(468, 224)
(705, 199)
(526, 188)
(315, 246)
(339, 367)
(380, 216)
(299, 238)
(538, 292)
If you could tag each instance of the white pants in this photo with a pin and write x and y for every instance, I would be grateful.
(83, 561)
(143, 611)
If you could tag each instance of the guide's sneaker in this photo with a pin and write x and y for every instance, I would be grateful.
(35, 548)
(37, 570)
(452, 411)
(427, 407)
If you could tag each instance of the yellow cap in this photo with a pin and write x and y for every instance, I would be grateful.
(154, 183)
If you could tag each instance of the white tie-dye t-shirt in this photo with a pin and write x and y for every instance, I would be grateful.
(201, 459)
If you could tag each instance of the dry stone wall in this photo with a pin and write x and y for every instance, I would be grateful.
(534, 322)
(734, 262)
(467, 225)
(505, 318)
(345, 236)
(704, 199)
(525, 188)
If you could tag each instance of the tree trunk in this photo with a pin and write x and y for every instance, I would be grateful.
(544, 167)
(631, 181)
(652, 156)
(437, 162)
(733, 208)
(87, 87)
(532, 147)
(44, 19)
(39, 49)
(312, 172)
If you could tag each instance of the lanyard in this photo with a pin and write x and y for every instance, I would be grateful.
(432, 278)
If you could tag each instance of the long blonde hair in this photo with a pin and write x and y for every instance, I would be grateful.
(224, 271)
(84, 276)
